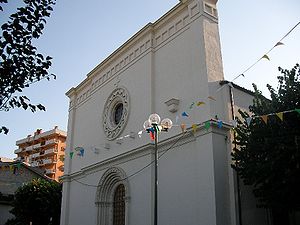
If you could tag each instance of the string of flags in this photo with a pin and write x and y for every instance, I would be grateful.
(194, 127)
(264, 56)
(12, 167)
(79, 151)
(265, 117)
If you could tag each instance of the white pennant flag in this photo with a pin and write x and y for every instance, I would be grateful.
(248, 120)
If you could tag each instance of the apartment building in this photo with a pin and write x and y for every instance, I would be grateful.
(45, 150)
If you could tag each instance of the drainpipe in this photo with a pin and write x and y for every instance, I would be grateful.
(236, 175)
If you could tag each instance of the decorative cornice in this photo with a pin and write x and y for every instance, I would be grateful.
(164, 29)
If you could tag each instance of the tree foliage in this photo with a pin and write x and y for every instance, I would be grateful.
(38, 202)
(267, 156)
(20, 63)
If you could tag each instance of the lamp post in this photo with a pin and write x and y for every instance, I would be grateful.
(154, 125)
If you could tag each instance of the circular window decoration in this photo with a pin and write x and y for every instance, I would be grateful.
(116, 112)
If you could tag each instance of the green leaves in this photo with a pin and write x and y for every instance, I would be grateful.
(267, 155)
(21, 64)
(37, 202)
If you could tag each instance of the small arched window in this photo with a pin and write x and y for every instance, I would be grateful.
(119, 206)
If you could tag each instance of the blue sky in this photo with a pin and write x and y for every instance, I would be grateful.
(80, 34)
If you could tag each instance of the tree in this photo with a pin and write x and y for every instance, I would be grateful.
(267, 155)
(20, 63)
(38, 202)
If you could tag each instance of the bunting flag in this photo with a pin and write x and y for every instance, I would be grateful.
(151, 129)
(81, 152)
(248, 121)
(140, 133)
(183, 127)
(11, 167)
(264, 118)
(200, 103)
(207, 125)
(191, 106)
(234, 123)
(194, 127)
(278, 43)
(220, 124)
(19, 165)
(297, 110)
(71, 154)
(152, 137)
(211, 98)
(266, 57)
(280, 115)
(185, 114)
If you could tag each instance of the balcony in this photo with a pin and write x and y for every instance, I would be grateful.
(52, 141)
(18, 150)
(34, 163)
(36, 146)
(29, 148)
(47, 161)
(50, 171)
(50, 151)
(35, 155)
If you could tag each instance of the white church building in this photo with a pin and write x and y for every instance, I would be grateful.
(172, 67)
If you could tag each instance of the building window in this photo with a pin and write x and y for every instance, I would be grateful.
(112, 198)
(119, 206)
(118, 112)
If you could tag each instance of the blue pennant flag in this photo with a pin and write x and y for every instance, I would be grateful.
(185, 114)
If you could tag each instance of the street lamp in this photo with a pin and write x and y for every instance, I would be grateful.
(154, 125)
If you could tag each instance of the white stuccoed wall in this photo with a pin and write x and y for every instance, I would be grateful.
(179, 57)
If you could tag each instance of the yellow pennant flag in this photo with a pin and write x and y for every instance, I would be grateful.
(200, 103)
(280, 115)
(194, 127)
(11, 167)
(265, 118)
(265, 57)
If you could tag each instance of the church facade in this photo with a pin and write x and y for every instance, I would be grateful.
(172, 67)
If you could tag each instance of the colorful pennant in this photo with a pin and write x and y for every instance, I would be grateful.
(278, 43)
(280, 115)
(183, 127)
(248, 121)
(211, 98)
(194, 128)
(207, 125)
(264, 118)
(184, 114)
(266, 57)
(200, 103)
(234, 123)
(140, 133)
(220, 124)
(191, 106)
